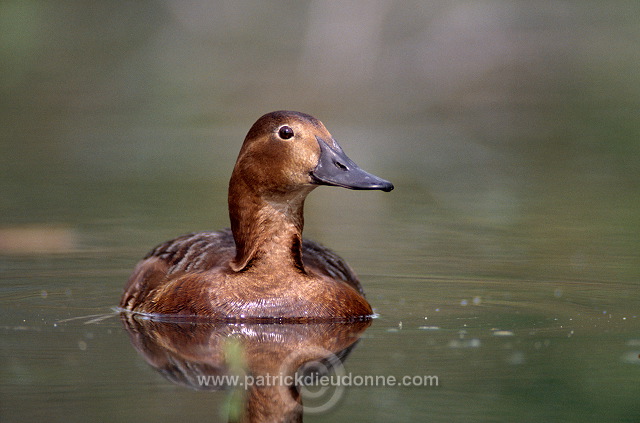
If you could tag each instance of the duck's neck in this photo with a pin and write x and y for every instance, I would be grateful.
(267, 228)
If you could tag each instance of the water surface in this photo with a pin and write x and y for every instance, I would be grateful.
(506, 262)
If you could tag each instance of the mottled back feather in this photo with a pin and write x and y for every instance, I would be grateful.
(201, 251)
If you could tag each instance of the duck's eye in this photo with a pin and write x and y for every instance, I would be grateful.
(285, 132)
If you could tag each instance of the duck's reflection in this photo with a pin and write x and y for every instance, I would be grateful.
(263, 362)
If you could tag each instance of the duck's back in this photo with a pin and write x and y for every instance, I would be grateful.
(205, 251)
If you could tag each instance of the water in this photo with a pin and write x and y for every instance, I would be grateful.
(505, 262)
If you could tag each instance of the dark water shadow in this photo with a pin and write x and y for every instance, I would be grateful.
(266, 366)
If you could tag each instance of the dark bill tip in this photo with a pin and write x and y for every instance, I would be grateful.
(335, 168)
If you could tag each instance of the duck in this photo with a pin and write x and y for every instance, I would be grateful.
(261, 269)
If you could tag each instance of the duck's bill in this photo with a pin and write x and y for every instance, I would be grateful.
(337, 169)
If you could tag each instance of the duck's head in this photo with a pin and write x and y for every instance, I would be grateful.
(288, 151)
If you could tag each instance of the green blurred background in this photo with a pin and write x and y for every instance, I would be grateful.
(511, 130)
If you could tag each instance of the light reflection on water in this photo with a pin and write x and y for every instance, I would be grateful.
(563, 349)
(506, 261)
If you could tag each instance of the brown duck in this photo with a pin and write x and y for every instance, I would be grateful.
(261, 269)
